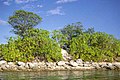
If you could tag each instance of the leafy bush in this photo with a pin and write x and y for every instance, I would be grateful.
(35, 44)
(97, 47)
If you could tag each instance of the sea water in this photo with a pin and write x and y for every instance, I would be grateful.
(62, 75)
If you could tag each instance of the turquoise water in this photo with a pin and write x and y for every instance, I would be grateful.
(61, 75)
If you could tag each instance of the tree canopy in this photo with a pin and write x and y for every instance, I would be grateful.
(22, 20)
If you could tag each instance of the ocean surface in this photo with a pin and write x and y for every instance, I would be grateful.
(62, 75)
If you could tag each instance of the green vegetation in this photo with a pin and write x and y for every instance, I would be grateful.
(36, 45)
(22, 20)
(40, 44)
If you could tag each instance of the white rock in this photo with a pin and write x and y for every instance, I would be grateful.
(11, 63)
(2, 62)
(65, 55)
(110, 66)
(61, 63)
(32, 65)
(72, 63)
(116, 64)
(7, 66)
(21, 63)
(3, 67)
(26, 66)
(79, 61)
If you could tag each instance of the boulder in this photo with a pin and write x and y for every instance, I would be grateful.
(11, 63)
(3, 67)
(3, 62)
(81, 65)
(26, 66)
(21, 68)
(116, 64)
(50, 64)
(61, 63)
(65, 55)
(103, 65)
(86, 65)
(11, 66)
(32, 65)
(79, 61)
(60, 68)
(73, 64)
(41, 63)
(95, 65)
(110, 66)
(20, 63)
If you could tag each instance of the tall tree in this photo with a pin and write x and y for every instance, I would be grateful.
(71, 31)
(22, 20)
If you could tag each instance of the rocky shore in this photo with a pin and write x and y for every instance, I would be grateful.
(61, 65)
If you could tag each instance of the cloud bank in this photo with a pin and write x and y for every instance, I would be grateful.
(65, 1)
(2, 22)
(56, 11)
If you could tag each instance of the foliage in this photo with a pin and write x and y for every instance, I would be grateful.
(90, 30)
(36, 44)
(97, 47)
(59, 37)
(22, 21)
(72, 30)
(64, 35)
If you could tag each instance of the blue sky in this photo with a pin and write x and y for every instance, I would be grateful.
(103, 15)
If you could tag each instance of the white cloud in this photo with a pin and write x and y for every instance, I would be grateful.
(39, 6)
(6, 3)
(65, 1)
(24, 1)
(31, 7)
(27, 6)
(56, 11)
(2, 22)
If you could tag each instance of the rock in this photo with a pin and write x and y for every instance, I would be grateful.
(41, 63)
(3, 67)
(103, 64)
(33, 65)
(50, 64)
(87, 62)
(26, 66)
(20, 63)
(60, 68)
(65, 55)
(73, 64)
(11, 63)
(81, 65)
(79, 61)
(110, 66)
(21, 68)
(61, 63)
(11, 66)
(7, 66)
(86, 65)
(67, 67)
(96, 65)
(3, 62)
(116, 64)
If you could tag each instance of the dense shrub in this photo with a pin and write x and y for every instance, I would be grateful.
(97, 47)
(35, 44)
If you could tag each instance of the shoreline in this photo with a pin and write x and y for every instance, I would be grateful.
(72, 65)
